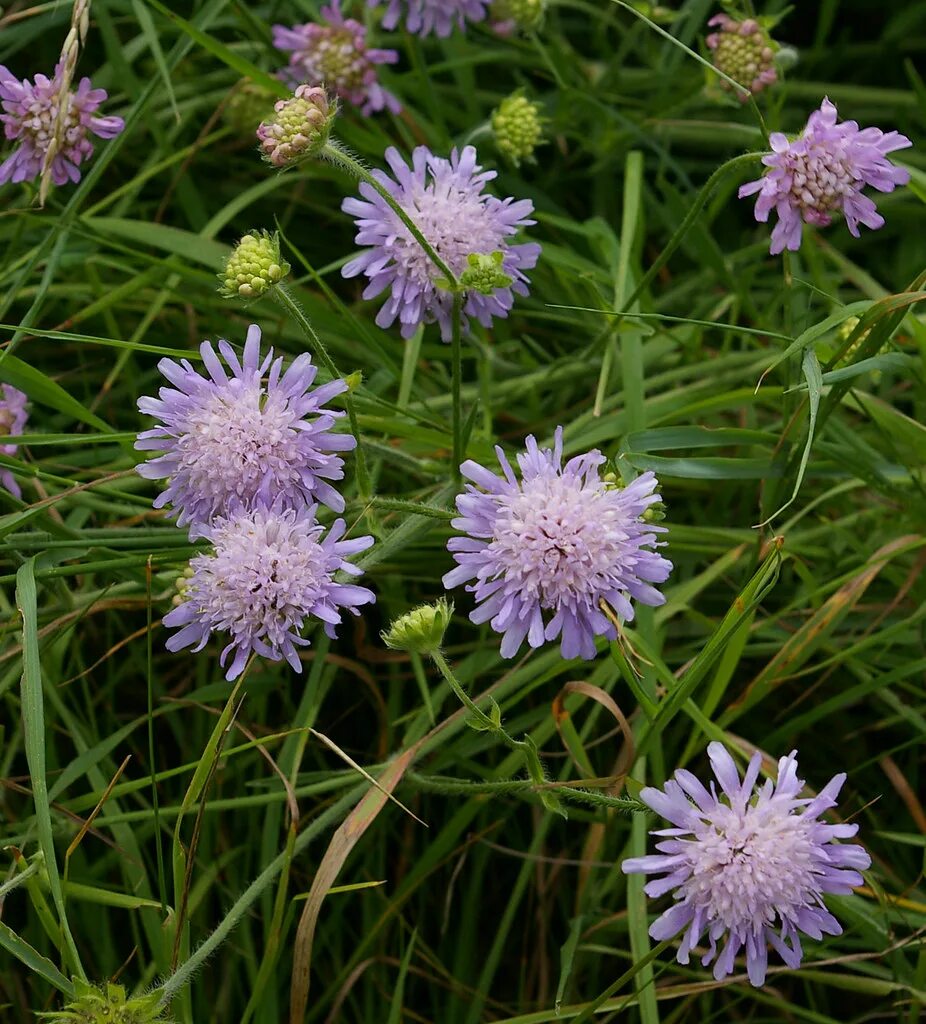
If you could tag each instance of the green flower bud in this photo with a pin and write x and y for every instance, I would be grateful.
(527, 15)
(484, 274)
(517, 125)
(182, 583)
(107, 1004)
(421, 630)
(299, 127)
(254, 267)
(248, 105)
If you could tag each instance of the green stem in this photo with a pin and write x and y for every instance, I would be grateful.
(526, 747)
(456, 381)
(337, 154)
(295, 311)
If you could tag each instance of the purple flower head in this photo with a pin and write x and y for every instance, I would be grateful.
(555, 546)
(29, 116)
(823, 172)
(751, 865)
(13, 418)
(254, 437)
(446, 201)
(336, 56)
(423, 17)
(269, 571)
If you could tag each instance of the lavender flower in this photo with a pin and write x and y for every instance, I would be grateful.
(447, 202)
(823, 172)
(755, 866)
(30, 113)
(336, 56)
(561, 541)
(256, 437)
(423, 17)
(269, 571)
(13, 418)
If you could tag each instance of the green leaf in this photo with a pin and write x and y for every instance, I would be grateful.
(33, 712)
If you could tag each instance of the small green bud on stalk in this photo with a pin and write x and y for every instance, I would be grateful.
(420, 631)
(254, 267)
(517, 125)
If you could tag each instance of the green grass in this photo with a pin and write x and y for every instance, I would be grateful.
(161, 827)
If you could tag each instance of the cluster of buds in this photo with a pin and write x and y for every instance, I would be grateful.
(517, 15)
(744, 51)
(299, 127)
(421, 630)
(108, 1004)
(254, 266)
(485, 273)
(517, 125)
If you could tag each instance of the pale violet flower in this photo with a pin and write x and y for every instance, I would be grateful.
(269, 572)
(334, 53)
(821, 173)
(447, 202)
(30, 112)
(13, 417)
(543, 553)
(422, 17)
(748, 867)
(246, 434)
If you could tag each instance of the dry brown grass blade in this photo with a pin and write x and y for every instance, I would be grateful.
(85, 827)
(342, 842)
(359, 768)
(595, 693)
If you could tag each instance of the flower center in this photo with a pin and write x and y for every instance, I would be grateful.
(235, 442)
(259, 584)
(822, 177)
(336, 60)
(558, 542)
(455, 222)
(748, 869)
(38, 121)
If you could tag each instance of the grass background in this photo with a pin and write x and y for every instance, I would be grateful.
(142, 808)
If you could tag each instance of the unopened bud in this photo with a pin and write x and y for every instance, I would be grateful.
(299, 127)
(523, 15)
(517, 125)
(484, 273)
(421, 630)
(249, 104)
(254, 266)
(744, 51)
